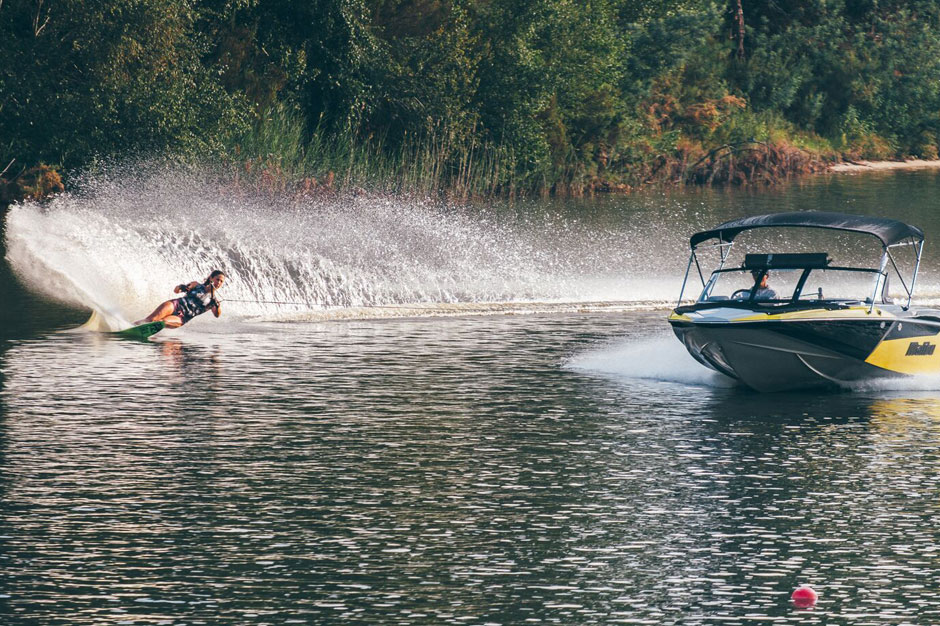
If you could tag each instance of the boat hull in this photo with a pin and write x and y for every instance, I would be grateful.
(810, 349)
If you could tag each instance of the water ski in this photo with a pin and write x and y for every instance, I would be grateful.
(142, 331)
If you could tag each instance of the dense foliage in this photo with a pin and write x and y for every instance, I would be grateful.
(473, 95)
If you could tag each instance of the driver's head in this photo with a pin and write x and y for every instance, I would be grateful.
(760, 280)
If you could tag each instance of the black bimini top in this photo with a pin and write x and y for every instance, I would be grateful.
(888, 231)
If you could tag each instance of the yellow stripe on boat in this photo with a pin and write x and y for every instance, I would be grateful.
(910, 355)
(855, 312)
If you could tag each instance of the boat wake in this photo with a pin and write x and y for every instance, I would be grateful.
(661, 359)
(119, 244)
(664, 359)
(923, 382)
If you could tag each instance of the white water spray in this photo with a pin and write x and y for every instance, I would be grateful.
(658, 358)
(119, 244)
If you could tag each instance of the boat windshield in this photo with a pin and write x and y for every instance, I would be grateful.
(790, 285)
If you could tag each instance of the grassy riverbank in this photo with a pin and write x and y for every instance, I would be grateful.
(423, 173)
(275, 150)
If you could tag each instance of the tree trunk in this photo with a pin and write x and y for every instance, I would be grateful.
(738, 21)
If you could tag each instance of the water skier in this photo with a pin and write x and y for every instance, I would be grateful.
(199, 298)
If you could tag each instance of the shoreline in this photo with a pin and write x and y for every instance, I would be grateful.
(48, 181)
(883, 166)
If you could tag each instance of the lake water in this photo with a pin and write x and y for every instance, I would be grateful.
(462, 416)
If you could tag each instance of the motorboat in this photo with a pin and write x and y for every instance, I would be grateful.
(791, 320)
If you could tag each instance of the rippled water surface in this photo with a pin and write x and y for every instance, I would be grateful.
(566, 467)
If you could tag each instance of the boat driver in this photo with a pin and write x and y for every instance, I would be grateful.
(761, 288)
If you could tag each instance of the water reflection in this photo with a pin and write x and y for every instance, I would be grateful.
(511, 469)
(448, 471)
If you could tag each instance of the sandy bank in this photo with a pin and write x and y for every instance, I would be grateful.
(876, 166)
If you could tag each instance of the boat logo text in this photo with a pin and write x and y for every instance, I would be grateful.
(920, 349)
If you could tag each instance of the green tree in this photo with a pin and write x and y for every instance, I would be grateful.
(86, 78)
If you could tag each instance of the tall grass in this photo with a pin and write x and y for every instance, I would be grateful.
(437, 162)
(746, 150)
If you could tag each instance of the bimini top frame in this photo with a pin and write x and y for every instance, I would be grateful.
(890, 232)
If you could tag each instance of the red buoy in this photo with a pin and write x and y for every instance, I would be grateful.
(804, 597)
